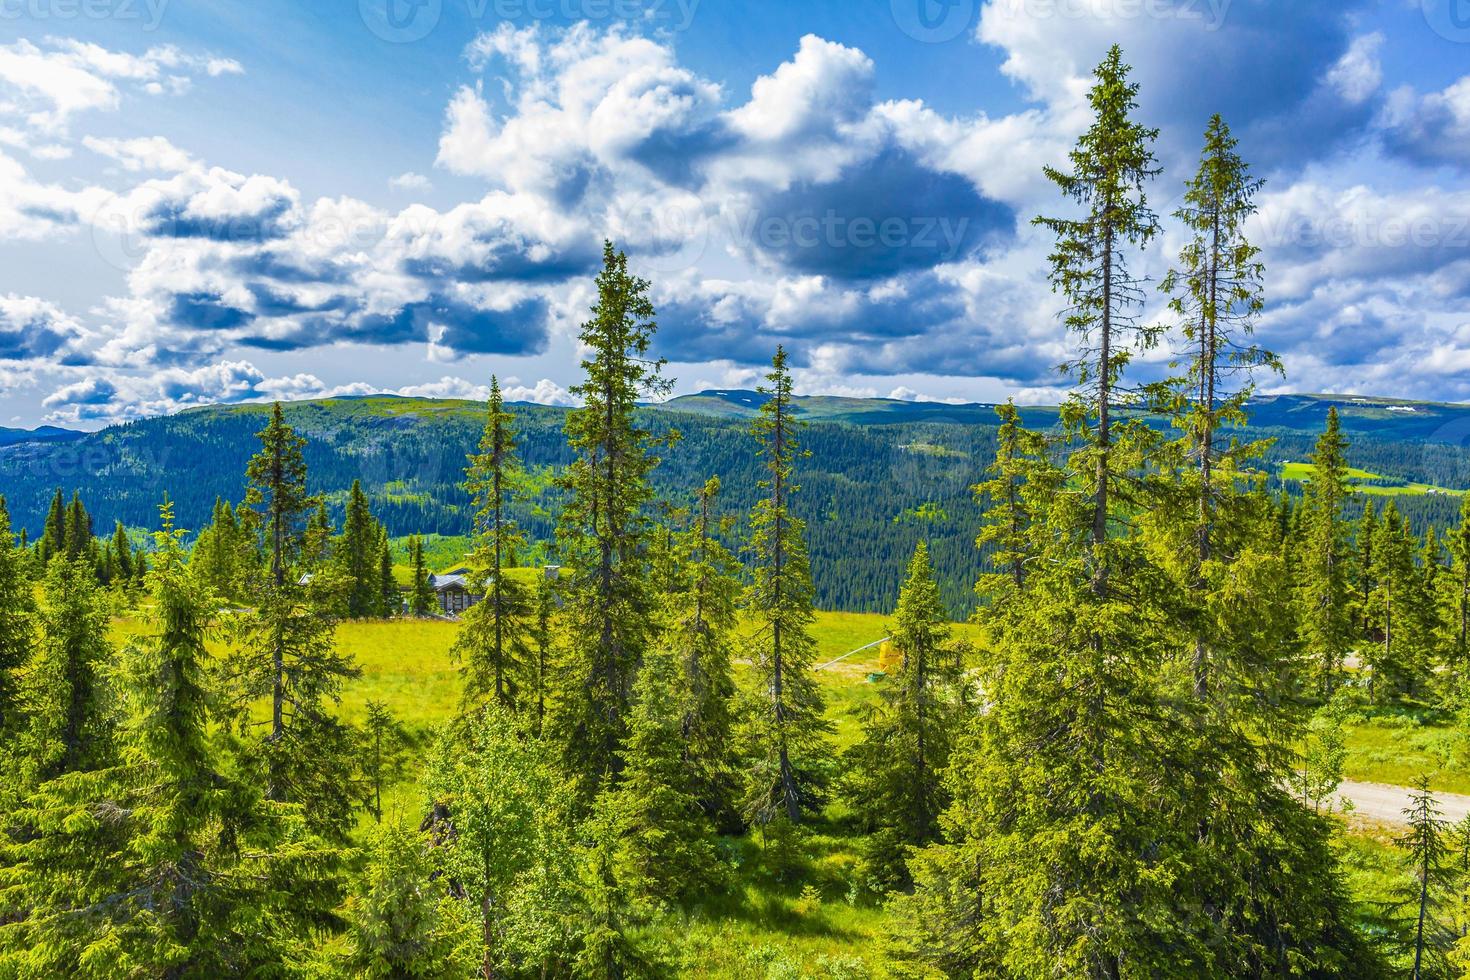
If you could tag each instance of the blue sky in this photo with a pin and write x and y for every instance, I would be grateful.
(204, 201)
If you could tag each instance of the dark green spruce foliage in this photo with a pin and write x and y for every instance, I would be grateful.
(224, 555)
(894, 773)
(1016, 474)
(53, 534)
(17, 628)
(1111, 165)
(357, 553)
(316, 541)
(1400, 641)
(1326, 616)
(1456, 590)
(669, 846)
(286, 648)
(1215, 292)
(276, 493)
(604, 527)
(421, 601)
(492, 646)
(165, 864)
(119, 560)
(699, 634)
(609, 898)
(782, 725)
(1213, 534)
(67, 701)
(1099, 828)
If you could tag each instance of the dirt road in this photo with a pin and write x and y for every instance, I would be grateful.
(1379, 801)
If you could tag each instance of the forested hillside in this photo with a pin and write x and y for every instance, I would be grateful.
(254, 749)
(882, 473)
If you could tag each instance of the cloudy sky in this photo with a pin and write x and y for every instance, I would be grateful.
(206, 200)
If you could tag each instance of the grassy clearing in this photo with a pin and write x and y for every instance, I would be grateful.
(1399, 744)
(770, 926)
(1362, 481)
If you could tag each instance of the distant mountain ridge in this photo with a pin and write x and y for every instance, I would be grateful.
(883, 473)
(1387, 417)
(44, 433)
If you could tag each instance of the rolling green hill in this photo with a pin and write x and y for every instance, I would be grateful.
(882, 475)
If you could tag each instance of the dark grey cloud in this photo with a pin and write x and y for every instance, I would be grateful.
(175, 219)
(206, 311)
(884, 216)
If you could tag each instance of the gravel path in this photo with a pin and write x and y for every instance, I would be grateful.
(1380, 801)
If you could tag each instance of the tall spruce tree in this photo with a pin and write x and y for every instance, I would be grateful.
(1111, 165)
(604, 526)
(217, 553)
(357, 553)
(17, 628)
(163, 865)
(669, 846)
(1013, 479)
(68, 703)
(783, 721)
(53, 534)
(421, 600)
(1079, 791)
(77, 535)
(699, 633)
(276, 491)
(1457, 585)
(1362, 567)
(122, 550)
(895, 782)
(286, 646)
(1425, 846)
(316, 541)
(492, 644)
(1395, 609)
(1326, 623)
(1215, 291)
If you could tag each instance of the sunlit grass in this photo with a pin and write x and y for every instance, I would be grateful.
(1358, 479)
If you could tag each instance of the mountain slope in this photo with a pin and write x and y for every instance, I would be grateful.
(44, 433)
(882, 475)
